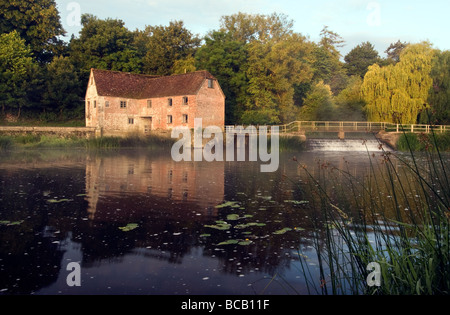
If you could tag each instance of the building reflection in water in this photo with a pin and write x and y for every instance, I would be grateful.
(139, 184)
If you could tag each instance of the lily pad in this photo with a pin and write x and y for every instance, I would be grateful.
(244, 226)
(58, 200)
(282, 231)
(245, 243)
(233, 217)
(297, 202)
(205, 235)
(9, 223)
(227, 204)
(129, 227)
(220, 226)
(229, 242)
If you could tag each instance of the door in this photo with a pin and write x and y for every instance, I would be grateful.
(147, 125)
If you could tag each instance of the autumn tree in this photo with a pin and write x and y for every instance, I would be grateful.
(37, 22)
(398, 93)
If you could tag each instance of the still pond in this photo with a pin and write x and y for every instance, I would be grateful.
(139, 223)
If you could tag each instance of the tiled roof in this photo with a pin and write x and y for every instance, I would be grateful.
(137, 86)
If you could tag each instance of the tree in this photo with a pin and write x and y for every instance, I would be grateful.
(275, 68)
(227, 59)
(349, 103)
(165, 45)
(394, 51)
(398, 93)
(104, 44)
(358, 60)
(328, 66)
(318, 104)
(439, 96)
(63, 90)
(249, 27)
(331, 41)
(16, 69)
(37, 22)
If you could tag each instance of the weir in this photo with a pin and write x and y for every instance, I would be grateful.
(350, 145)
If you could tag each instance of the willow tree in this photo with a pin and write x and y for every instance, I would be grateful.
(398, 93)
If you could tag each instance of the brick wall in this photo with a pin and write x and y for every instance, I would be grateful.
(138, 116)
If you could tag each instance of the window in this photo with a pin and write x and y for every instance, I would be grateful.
(169, 119)
(95, 104)
(149, 103)
(123, 104)
(107, 104)
(169, 102)
(185, 119)
(131, 121)
(211, 83)
(185, 100)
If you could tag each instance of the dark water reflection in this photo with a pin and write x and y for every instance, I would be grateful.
(69, 207)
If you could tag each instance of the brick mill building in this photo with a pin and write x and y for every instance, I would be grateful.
(119, 103)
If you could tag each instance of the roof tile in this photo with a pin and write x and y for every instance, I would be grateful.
(138, 86)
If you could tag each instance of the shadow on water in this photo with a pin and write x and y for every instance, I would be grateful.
(199, 227)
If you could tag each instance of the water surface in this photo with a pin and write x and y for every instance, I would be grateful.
(59, 207)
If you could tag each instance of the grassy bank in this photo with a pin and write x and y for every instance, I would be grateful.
(424, 142)
(43, 141)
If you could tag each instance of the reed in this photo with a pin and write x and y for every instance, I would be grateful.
(6, 142)
(401, 224)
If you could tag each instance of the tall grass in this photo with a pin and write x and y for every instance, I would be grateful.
(5, 142)
(397, 216)
(33, 141)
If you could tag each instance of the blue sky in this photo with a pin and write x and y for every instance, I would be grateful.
(381, 22)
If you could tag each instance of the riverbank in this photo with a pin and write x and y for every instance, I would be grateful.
(30, 141)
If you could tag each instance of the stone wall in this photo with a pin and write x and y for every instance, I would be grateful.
(63, 132)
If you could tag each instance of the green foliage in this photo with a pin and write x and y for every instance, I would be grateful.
(5, 142)
(37, 22)
(398, 93)
(16, 71)
(349, 103)
(439, 96)
(247, 28)
(104, 44)
(358, 60)
(424, 142)
(227, 59)
(165, 46)
(318, 105)
(268, 73)
(62, 86)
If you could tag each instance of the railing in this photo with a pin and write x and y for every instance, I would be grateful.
(343, 126)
